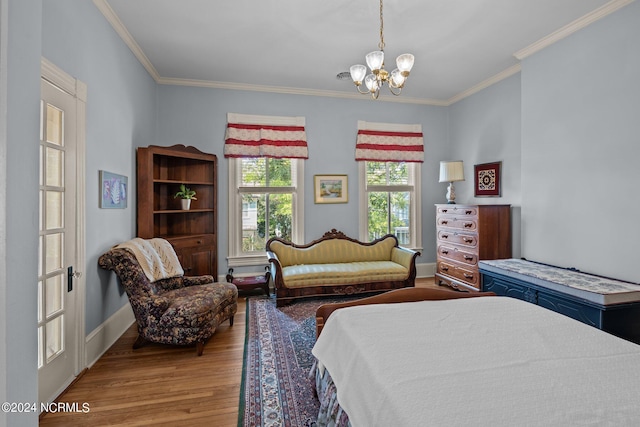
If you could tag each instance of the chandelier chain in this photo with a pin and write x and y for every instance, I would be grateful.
(381, 44)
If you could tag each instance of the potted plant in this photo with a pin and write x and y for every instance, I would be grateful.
(186, 194)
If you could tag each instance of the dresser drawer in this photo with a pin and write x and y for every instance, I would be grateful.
(466, 274)
(458, 210)
(189, 242)
(458, 223)
(455, 238)
(455, 254)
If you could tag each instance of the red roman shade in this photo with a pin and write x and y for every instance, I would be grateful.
(389, 142)
(265, 136)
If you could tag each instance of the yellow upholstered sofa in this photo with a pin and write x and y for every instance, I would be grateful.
(336, 265)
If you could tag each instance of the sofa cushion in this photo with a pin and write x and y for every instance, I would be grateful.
(333, 251)
(344, 273)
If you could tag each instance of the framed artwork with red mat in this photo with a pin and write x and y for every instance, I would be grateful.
(487, 179)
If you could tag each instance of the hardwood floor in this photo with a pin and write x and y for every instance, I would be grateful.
(162, 385)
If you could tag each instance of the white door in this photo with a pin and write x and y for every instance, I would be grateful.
(57, 322)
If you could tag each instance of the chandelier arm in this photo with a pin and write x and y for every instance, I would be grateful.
(361, 92)
(393, 92)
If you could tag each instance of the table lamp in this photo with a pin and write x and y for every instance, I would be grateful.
(451, 172)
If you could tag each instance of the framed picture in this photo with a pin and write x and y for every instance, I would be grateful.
(487, 179)
(330, 188)
(114, 190)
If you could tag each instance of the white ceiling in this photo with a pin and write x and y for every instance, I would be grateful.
(299, 46)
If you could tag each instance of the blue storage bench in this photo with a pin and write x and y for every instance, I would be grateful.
(608, 304)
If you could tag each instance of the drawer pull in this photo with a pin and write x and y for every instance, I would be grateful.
(468, 258)
(468, 276)
(445, 210)
(445, 252)
(468, 212)
(199, 242)
(445, 268)
(445, 236)
(467, 240)
(444, 222)
(468, 224)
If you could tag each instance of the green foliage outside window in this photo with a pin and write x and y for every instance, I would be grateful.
(266, 213)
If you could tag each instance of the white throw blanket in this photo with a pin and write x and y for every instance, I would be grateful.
(156, 257)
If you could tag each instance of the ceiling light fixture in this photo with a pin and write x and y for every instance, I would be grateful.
(378, 76)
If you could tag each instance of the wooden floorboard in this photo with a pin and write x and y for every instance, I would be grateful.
(163, 385)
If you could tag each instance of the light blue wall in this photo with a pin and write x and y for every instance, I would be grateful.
(120, 115)
(484, 128)
(23, 114)
(580, 148)
(197, 116)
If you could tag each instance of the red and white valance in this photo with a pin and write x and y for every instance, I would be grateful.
(389, 142)
(265, 136)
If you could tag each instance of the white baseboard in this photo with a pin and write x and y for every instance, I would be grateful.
(103, 337)
(426, 270)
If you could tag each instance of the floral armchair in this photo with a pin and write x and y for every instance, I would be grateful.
(180, 310)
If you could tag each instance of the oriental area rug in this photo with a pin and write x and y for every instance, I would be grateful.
(277, 389)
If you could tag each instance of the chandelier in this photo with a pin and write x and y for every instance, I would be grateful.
(379, 76)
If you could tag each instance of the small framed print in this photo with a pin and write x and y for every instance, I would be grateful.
(487, 179)
(330, 188)
(114, 190)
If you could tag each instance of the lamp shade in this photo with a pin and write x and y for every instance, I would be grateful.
(405, 63)
(357, 73)
(375, 60)
(451, 171)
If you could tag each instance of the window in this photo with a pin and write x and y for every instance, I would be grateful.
(265, 201)
(390, 202)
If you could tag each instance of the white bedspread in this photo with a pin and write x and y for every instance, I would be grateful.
(490, 361)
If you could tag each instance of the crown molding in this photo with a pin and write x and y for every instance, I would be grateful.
(572, 27)
(292, 91)
(514, 69)
(122, 31)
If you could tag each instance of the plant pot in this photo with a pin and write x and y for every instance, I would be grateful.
(186, 204)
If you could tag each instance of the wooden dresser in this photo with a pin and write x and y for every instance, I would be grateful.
(467, 234)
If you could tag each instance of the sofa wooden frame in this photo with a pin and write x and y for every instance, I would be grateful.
(286, 295)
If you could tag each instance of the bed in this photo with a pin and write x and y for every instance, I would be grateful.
(470, 360)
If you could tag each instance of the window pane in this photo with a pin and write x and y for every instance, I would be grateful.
(53, 337)
(40, 347)
(378, 214)
(253, 235)
(279, 173)
(54, 209)
(398, 173)
(280, 215)
(400, 216)
(54, 125)
(254, 172)
(53, 245)
(54, 167)
(265, 216)
(55, 292)
(387, 173)
(376, 173)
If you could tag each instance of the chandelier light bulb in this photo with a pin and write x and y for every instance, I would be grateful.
(371, 82)
(405, 63)
(375, 60)
(357, 73)
(397, 79)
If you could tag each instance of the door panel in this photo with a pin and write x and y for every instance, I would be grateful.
(57, 337)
